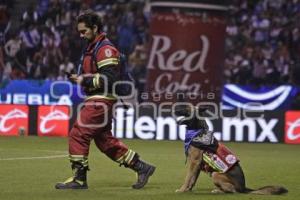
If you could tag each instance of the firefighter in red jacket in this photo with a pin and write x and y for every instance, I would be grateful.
(97, 79)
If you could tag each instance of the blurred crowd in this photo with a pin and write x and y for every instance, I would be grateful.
(47, 43)
(262, 46)
(263, 42)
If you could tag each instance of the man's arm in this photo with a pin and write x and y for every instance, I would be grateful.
(107, 64)
(103, 79)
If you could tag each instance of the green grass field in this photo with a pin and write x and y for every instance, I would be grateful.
(30, 166)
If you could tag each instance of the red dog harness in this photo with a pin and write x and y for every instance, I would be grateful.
(221, 161)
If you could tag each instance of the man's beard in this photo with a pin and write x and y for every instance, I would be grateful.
(85, 41)
(90, 40)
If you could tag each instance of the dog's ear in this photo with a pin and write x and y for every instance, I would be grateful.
(191, 116)
(184, 114)
(183, 110)
(201, 110)
(197, 121)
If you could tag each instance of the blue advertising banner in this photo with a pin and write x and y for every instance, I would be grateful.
(40, 93)
(64, 93)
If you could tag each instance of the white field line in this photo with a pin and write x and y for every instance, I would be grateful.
(33, 158)
(44, 150)
(53, 151)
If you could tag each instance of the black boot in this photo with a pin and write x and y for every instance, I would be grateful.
(78, 181)
(144, 171)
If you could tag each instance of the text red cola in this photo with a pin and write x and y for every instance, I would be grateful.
(187, 52)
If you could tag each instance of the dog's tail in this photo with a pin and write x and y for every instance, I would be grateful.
(268, 190)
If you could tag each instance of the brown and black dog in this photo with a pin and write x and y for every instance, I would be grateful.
(205, 153)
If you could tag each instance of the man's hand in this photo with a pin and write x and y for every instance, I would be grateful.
(76, 79)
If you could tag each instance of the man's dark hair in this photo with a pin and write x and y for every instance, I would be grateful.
(90, 19)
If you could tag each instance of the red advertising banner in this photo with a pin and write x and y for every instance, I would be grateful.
(53, 120)
(292, 127)
(186, 53)
(13, 120)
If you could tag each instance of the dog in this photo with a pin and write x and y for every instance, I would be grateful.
(205, 153)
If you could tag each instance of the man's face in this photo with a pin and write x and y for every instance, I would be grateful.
(86, 32)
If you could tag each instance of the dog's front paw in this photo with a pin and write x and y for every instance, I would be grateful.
(181, 190)
(216, 191)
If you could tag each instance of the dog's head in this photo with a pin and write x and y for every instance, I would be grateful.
(191, 116)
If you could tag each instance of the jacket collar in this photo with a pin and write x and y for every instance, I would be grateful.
(98, 38)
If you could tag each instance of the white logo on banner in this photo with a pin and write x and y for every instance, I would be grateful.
(55, 115)
(291, 130)
(273, 98)
(14, 114)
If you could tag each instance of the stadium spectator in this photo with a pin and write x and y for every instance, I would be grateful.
(20, 63)
(2, 65)
(12, 46)
(39, 65)
(31, 15)
(66, 66)
(5, 22)
(42, 7)
(137, 62)
(52, 58)
(30, 36)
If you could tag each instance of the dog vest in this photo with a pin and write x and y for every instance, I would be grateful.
(216, 157)
(220, 161)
